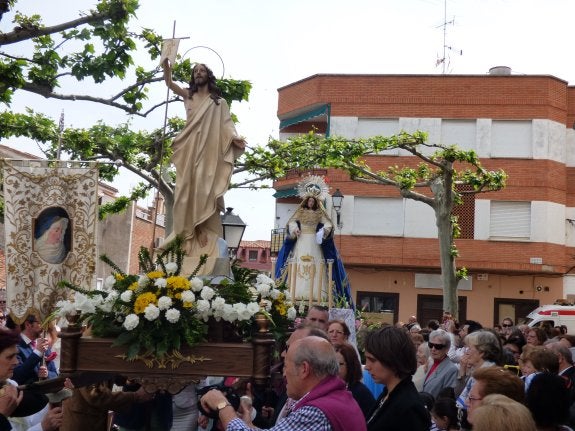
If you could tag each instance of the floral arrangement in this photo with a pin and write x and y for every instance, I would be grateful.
(159, 310)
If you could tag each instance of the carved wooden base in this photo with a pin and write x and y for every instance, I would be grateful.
(88, 355)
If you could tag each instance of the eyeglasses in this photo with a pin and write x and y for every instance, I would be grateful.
(506, 325)
(436, 346)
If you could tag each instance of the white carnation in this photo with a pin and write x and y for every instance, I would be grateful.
(197, 284)
(171, 267)
(151, 312)
(253, 308)
(109, 282)
(274, 294)
(207, 293)
(164, 302)
(291, 313)
(143, 280)
(229, 313)
(263, 289)
(131, 322)
(218, 303)
(160, 282)
(262, 278)
(267, 304)
(203, 306)
(126, 296)
(173, 315)
(188, 296)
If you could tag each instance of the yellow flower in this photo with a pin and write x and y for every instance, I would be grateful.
(119, 277)
(177, 282)
(133, 286)
(188, 304)
(155, 274)
(143, 300)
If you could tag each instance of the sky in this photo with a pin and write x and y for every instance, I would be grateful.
(274, 43)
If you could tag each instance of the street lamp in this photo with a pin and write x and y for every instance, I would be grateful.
(336, 201)
(234, 228)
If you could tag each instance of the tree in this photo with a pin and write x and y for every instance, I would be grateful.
(99, 46)
(435, 181)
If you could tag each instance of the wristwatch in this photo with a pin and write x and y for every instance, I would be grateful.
(222, 405)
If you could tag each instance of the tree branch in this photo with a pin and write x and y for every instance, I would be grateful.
(19, 34)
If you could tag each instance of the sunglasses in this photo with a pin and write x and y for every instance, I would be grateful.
(436, 346)
(505, 325)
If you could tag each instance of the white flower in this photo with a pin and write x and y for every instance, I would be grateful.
(164, 302)
(267, 304)
(173, 315)
(263, 289)
(85, 304)
(143, 280)
(218, 303)
(131, 322)
(109, 282)
(253, 308)
(66, 308)
(274, 294)
(188, 296)
(151, 312)
(301, 308)
(207, 293)
(171, 267)
(160, 282)
(107, 304)
(126, 295)
(203, 306)
(291, 313)
(262, 278)
(230, 314)
(197, 284)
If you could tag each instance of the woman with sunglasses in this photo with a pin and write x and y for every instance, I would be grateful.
(442, 373)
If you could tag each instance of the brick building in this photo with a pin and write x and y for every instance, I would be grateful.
(517, 244)
(255, 255)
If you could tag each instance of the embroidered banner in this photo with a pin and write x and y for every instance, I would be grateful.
(50, 218)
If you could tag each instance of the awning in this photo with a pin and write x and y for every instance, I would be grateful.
(304, 116)
(286, 193)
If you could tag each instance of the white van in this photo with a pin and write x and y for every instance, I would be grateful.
(554, 315)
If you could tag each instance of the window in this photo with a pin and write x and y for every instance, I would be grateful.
(511, 139)
(253, 255)
(377, 302)
(459, 132)
(510, 220)
(378, 216)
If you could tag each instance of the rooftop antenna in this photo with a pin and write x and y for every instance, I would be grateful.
(446, 48)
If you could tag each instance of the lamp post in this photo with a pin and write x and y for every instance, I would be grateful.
(234, 228)
(336, 201)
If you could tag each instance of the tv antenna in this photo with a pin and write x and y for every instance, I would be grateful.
(445, 60)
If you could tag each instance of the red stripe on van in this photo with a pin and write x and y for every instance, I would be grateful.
(559, 312)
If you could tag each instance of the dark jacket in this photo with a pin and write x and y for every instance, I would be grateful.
(403, 410)
(363, 396)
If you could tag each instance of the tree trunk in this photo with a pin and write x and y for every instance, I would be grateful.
(443, 208)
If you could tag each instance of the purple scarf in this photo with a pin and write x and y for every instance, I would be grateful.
(331, 397)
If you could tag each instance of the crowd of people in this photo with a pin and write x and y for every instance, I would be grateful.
(413, 377)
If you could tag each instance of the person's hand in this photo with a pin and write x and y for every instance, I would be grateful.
(211, 399)
(268, 412)
(42, 345)
(142, 396)
(239, 142)
(43, 372)
(203, 421)
(52, 419)
(9, 399)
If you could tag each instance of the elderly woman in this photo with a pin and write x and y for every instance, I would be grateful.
(442, 373)
(500, 413)
(337, 332)
(536, 336)
(483, 350)
(390, 359)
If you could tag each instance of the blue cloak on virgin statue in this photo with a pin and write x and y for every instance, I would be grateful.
(309, 250)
